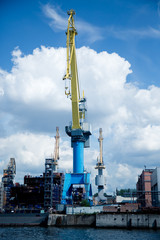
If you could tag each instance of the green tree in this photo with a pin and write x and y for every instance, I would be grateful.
(85, 203)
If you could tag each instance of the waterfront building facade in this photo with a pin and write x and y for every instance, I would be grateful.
(30, 195)
(144, 196)
(155, 186)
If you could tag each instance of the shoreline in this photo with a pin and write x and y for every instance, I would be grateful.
(107, 220)
(119, 220)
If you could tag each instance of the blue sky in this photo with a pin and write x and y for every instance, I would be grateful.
(130, 28)
(118, 61)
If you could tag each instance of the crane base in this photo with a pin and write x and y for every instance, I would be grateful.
(77, 188)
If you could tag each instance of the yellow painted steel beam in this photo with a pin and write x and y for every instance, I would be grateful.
(72, 72)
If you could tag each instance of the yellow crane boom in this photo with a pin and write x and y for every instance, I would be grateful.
(72, 73)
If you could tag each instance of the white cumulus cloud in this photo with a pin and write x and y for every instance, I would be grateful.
(33, 103)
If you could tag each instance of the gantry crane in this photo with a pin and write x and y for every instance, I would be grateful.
(79, 130)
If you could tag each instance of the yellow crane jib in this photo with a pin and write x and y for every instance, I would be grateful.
(71, 73)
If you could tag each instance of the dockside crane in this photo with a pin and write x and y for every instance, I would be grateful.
(56, 150)
(100, 179)
(79, 130)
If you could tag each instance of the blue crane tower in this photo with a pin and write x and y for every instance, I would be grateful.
(77, 185)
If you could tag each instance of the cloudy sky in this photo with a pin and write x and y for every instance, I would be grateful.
(118, 65)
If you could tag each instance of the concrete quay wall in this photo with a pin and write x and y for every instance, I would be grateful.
(128, 220)
(71, 220)
(106, 220)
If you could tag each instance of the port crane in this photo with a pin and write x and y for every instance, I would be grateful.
(79, 129)
(56, 150)
(100, 180)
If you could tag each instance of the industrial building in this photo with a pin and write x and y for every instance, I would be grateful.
(53, 185)
(34, 181)
(30, 195)
(155, 187)
(44, 191)
(144, 196)
(38, 192)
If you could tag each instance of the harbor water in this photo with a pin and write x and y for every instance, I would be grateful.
(54, 233)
